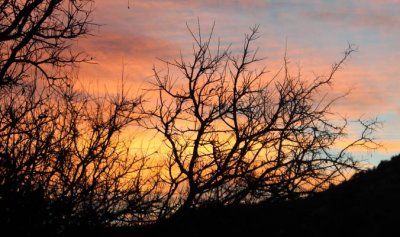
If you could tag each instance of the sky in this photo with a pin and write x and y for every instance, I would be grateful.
(132, 35)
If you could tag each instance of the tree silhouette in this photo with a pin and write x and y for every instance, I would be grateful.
(63, 161)
(37, 34)
(234, 136)
(65, 148)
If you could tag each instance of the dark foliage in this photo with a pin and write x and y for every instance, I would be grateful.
(366, 205)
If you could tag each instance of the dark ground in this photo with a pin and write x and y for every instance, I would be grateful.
(367, 205)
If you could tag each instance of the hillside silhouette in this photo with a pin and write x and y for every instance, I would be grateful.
(366, 205)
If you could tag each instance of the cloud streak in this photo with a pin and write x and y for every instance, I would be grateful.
(317, 32)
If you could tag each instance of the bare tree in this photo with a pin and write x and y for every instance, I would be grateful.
(66, 147)
(64, 162)
(234, 135)
(37, 34)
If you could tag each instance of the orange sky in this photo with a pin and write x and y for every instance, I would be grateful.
(317, 33)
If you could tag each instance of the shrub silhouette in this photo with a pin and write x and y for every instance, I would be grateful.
(365, 205)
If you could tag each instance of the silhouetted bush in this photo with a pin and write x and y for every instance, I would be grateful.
(366, 205)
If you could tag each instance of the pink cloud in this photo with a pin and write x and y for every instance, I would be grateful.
(113, 53)
(153, 29)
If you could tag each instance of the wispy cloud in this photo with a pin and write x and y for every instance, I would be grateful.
(317, 32)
